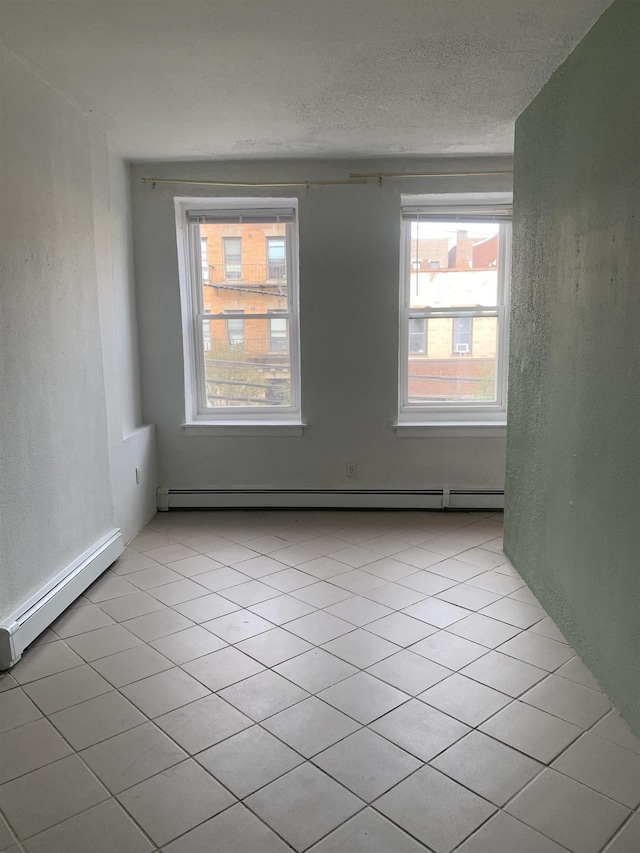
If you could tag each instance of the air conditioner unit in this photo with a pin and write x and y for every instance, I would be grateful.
(461, 348)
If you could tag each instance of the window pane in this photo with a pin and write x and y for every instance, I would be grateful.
(248, 372)
(453, 265)
(246, 267)
(442, 374)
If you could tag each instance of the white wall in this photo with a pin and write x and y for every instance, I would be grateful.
(57, 401)
(571, 517)
(131, 446)
(349, 263)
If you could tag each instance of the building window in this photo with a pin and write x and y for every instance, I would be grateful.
(276, 258)
(204, 256)
(417, 336)
(232, 247)
(278, 337)
(460, 304)
(235, 329)
(241, 361)
(462, 335)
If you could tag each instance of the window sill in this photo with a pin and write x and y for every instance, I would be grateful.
(472, 429)
(239, 429)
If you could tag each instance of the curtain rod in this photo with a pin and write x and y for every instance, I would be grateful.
(307, 184)
(381, 175)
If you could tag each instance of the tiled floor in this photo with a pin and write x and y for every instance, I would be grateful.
(335, 682)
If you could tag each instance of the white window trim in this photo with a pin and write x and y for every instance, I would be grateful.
(472, 419)
(238, 420)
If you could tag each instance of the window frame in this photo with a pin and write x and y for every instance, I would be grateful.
(455, 413)
(193, 315)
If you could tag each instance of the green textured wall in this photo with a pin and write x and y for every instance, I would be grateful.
(573, 458)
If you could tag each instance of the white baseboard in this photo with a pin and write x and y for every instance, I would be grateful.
(43, 608)
(487, 499)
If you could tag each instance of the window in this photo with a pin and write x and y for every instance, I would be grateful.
(241, 361)
(235, 329)
(277, 333)
(276, 257)
(232, 258)
(204, 254)
(462, 335)
(453, 337)
(417, 336)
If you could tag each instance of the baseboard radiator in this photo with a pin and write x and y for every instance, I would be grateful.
(459, 499)
(43, 608)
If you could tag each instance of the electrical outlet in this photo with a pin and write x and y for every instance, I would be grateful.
(352, 469)
(138, 475)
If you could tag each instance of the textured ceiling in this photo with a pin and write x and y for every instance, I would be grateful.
(176, 79)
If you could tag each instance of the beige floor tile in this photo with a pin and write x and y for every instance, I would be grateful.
(179, 592)
(105, 828)
(97, 719)
(505, 833)
(419, 558)
(628, 839)
(191, 567)
(531, 731)
(468, 596)
(401, 629)
(164, 692)
(468, 761)
(481, 629)
(409, 672)
(151, 578)
(504, 673)
(322, 593)
(368, 832)
(434, 809)
(220, 669)
(367, 764)
(389, 569)
(131, 665)
(134, 755)
(249, 760)
(466, 700)
(66, 688)
(319, 627)
(363, 697)
(316, 669)
(263, 695)
(223, 578)
(576, 671)
(426, 583)
(107, 587)
(82, 619)
(238, 625)
(360, 648)
(7, 682)
(40, 661)
(419, 729)
(282, 609)
(448, 650)
(274, 646)
(161, 623)
(16, 709)
(303, 805)
(537, 650)
(395, 596)
(614, 729)
(603, 766)
(514, 613)
(206, 607)
(236, 830)
(175, 801)
(203, 723)
(47, 796)
(171, 553)
(310, 726)
(130, 606)
(28, 748)
(436, 612)
(188, 645)
(568, 812)
(105, 641)
(288, 580)
(572, 702)
(7, 838)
